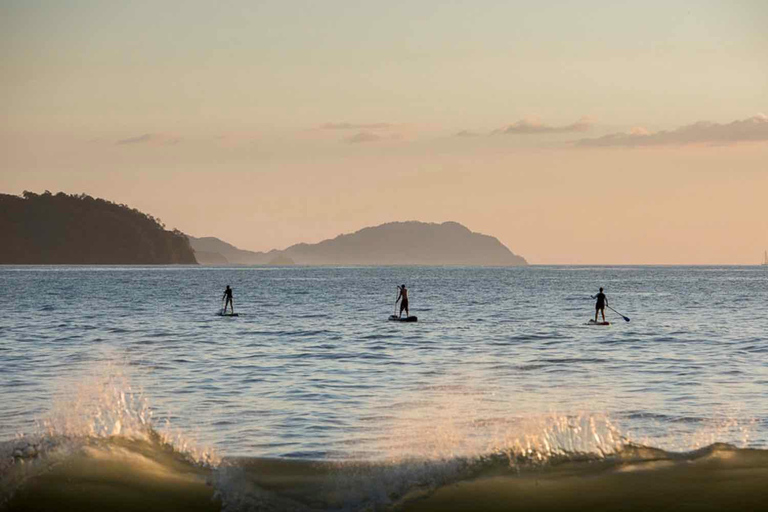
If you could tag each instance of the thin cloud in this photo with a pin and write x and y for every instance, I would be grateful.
(353, 126)
(466, 133)
(363, 136)
(752, 129)
(149, 138)
(532, 126)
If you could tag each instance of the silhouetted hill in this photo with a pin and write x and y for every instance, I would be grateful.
(407, 243)
(210, 258)
(396, 243)
(79, 229)
(212, 251)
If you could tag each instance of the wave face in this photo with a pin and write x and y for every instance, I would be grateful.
(102, 451)
(122, 390)
(126, 475)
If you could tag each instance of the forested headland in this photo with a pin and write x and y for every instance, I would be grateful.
(80, 229)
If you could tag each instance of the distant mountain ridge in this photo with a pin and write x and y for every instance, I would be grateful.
(394, 243)
(82, 230)
(210, 250)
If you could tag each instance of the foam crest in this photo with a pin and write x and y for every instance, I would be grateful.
(103, 404)
(540, 439)
(99, 406)
(444, 431)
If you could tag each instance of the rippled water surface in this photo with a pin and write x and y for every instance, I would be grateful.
(312, 368)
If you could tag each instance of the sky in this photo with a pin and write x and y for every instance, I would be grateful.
(589, 132)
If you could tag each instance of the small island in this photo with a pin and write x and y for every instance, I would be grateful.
(66, 229)
(394, 243)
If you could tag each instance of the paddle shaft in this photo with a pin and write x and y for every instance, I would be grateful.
(397, 296)
(626, 318)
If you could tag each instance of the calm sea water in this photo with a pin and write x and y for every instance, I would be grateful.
(312, 368)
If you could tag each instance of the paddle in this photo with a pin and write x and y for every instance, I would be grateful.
(397, 296)
(626, 318)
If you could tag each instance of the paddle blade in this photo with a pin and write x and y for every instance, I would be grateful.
(626, 318)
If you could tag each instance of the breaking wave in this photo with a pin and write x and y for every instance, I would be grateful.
(102, 450)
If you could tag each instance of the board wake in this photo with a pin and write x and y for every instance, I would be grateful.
(396, 318)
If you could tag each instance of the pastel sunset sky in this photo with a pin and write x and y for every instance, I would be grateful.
(589, 132)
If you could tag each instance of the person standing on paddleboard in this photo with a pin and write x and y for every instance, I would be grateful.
(404, 304)
(602, 301)
(228, 295)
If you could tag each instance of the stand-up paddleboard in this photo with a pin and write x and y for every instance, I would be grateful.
(396, 318)
(227, 314)
(592, 322)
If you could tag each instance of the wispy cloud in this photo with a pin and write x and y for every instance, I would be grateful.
(353, 126)
(365, 132)
(150, 138)
(752, 129)
(466, 133)
(533, 126)
(364, 136)
(147, 137)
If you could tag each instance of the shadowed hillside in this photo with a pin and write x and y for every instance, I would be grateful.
(79, 229)
(212, 251)
(396, 243)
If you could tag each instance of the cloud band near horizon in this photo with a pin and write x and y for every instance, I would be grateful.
(531, 126)
(753, 129)
(149, 138)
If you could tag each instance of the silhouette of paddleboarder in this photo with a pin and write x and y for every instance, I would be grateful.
(404, 304)
(228, 295)
(602, 301)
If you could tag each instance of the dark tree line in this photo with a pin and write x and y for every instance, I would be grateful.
(79, 229)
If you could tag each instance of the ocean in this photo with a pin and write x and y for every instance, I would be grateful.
(122, 389)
